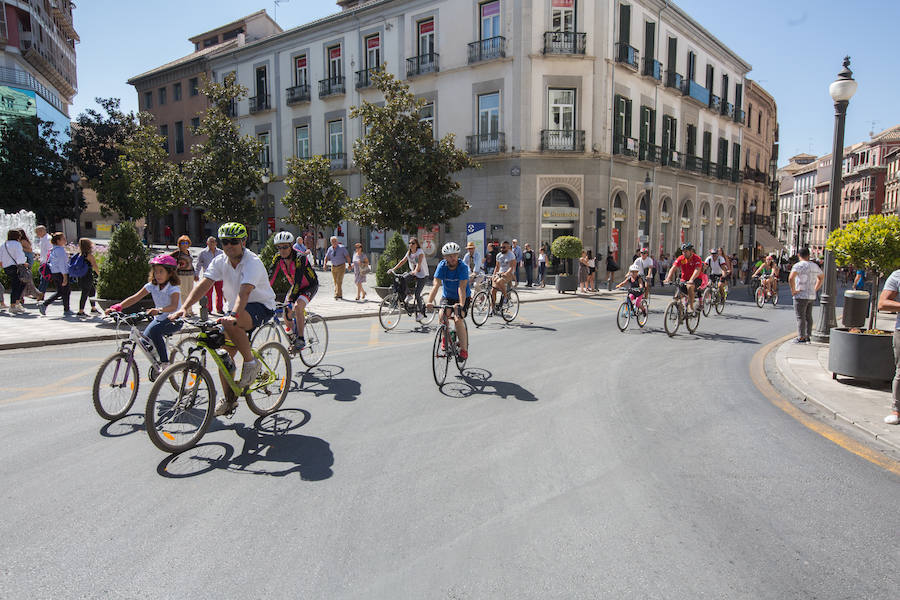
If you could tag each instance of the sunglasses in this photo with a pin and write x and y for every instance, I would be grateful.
(184, 244)
(284, 247)
(230, 241)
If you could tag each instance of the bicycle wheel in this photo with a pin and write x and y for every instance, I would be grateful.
(760, 297)
(440, 359)
(481, 308)
(708, 301)
(460, 362)
(692, 320)
(180, 353)
(177, 419)
(642, 314)
(268, 332)
(775, 298)
(720, 302)
(623, 316)
(115, 386)
(389, 311)
(428, 319)
(510, 306)
(672, 318)
(271, 387)
(315, 332)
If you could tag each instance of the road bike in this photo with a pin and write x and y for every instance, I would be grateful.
(178, 416)
(763, 293)
(283, 331)
(398, 301)
(446, 347)
(677, 312)
(117, 380)
(628, 309)
(507, 305)
(716, 298)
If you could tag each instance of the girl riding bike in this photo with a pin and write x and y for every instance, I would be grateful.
(636, 285)
(301, 276)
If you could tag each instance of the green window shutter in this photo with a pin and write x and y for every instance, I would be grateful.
(652, 136)
(628, 118)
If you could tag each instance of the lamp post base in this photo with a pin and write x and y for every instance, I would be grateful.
(820, 338)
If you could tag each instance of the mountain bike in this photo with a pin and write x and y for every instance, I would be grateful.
(627, 309)
(507, 305)
(763, 293)
(677, 312)
(117, 381)
(282, 330)
(178, 416)
(398, 301)
(446, 346)
(719, 295)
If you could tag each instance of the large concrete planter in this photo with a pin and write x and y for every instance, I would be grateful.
(382, 291)
(566, 283)
(861, 355)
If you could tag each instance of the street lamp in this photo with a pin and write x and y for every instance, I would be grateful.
(841, 90)
(752, 258)
(648, 189)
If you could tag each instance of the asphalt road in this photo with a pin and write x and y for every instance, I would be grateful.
(571, 461)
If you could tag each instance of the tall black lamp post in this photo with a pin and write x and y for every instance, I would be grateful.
(648, 190)
(841, 90)
(264, 231)
(751, 258)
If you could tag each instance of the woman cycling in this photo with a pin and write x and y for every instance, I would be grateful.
(768, 273)
(301, 276)
(418, 268)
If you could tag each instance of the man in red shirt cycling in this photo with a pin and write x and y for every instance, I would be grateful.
(691, 272)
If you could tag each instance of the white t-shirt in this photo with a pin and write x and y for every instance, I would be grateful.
(644, 264)
(505, 261)
(162, 297)
(715, 264)
(805, 283)
(46, 246)
(250, 270)
(413, 260)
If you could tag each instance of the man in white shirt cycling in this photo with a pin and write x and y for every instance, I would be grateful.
(504, 271)
(644, 264)
(718, 268)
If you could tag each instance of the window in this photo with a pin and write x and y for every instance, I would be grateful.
(230, 35)
(735, 156)
(622, 125)
(193, 84)
(647, 132)
(211, 41)
(625, 24)
(301, 134)
(176, 92)
(164, 132)
(426, 114)
(195, 125)
(759, 122)
(710, 78)
(490, 19)
(691, 66)
(690, 145)
(148, 100)
(707, 146)
(489, 115)
(264, 152)
(563, 15)
(650, 40)
(426, 37)
(336, 137)
(261, 83)
(335, 64)
(162, 96)
(725, 88)
(179, 137)
(672, 56)
(373, 51)
(669, 136)
(301, 71)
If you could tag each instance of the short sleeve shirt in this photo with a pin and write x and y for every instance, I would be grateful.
(645, 264)
(505, 260)
(162, 297)
(805, 284)
(688, 265)
(413, 260)
(338, 256)
(715, 264)
(250, 270)
(450, 279)
(893, 285)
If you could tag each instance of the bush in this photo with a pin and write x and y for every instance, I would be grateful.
(393, 252)
(126, 266)
(267, 255)
(566, 247)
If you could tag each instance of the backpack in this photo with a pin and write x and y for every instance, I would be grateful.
(78, 267)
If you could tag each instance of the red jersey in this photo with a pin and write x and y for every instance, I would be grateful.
(688, 265)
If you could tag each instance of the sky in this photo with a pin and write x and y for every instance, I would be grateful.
(795, 46)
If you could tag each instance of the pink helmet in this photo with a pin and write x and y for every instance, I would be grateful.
(164, 260)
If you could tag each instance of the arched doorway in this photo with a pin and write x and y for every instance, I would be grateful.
(732, 222)
(559, 216)
(618, 223)
(685, 225)
(643, 229)
(720, 227)
(706, 240)
(665, 218)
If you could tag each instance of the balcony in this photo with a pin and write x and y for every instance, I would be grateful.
(625, 146)
(562, 140)
(671, 158)
(652, 68)
(486, 143)
(231, 110)
(694, 164)
(422, 64)
(755, 176)
(487, 49)
(51, 62)
(627, 55)
(259, 103)
(297, 94)
(24, 79)
(338, 160)
(364, 78)
(649, 152)
(62, 11)
(710, 168)
(674, 80)
(564, 42)
(695, 91)
(728, 110)
(333, 86)
(723, 172)
(739, 116)
(715, 103)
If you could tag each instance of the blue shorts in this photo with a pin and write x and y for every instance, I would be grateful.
(259, 313)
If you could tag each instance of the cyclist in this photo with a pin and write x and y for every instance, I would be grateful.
(718, 268)
(768, 274)
(250, 300)
(645, 266)
(417, 275)
(453, 275)
(637, 285)
(691, 270)
(301, 276)
(504, 271)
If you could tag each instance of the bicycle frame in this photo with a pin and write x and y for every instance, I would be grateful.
(225, 373)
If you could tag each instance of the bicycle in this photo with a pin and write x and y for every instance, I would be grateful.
(719, 295)
(178, 420)
(446, 346)
(763, 293)
(628, 309)
(392, 306)
(507, 305)
(677, 312)
(117, 380)
(315, 333)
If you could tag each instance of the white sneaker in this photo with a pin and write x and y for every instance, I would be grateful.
(18, 309)
(892, 419)
(225, 406)
(249, 372)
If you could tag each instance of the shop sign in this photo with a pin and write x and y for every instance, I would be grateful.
(704, 220)
(665, 217)
(718, 220)
(685, 223)
(618, 214)
(560, 214)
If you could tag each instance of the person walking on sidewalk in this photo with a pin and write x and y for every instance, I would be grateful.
(186, 273)
(805, 280)
(88, 283)
(211, 251)
(889, 302)
(320, 251)
(59, 267)
(29, 290)
(360, 269)
(542, 266)
(528, 264)
(11, 258)
(44, 247)
(338, 256)
(518, 252)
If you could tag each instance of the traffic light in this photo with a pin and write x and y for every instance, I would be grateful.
(601, 218)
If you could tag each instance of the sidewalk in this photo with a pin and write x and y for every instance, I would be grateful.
(32, 330)
(804, 368)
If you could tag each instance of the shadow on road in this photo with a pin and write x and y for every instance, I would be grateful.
(478, 381)
(269, 449)
(526, 326)
(130, 423)
(323, 381)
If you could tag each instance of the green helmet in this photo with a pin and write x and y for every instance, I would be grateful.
(232, 230)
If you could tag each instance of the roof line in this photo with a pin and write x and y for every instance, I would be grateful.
(200, 36)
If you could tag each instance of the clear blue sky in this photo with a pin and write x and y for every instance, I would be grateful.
(795, 47)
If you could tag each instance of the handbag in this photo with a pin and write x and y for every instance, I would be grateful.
(23, 271)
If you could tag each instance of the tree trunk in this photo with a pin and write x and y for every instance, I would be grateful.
(873, 300)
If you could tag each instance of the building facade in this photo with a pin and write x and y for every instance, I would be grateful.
(786, 217)
(892, 184)
(760, 161)
(864, 176)
(821, 195)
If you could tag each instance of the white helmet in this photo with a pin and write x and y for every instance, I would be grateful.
(283, 237)
(450, 248)
(635, 267)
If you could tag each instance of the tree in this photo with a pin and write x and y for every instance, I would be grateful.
(312, 195)
(566, 247)
(126, 266)
(409, 174)
(35, 172)
(393, 252)
(224, 172)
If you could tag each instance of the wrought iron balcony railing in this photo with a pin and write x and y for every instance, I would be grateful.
(333, 86)
(487, 49)
(627, 55)
(564, 42)
(259, 103)
(364, 77)
(422, 64)
(297, 94)
(562, 140)
(652, 68)
(486, 143)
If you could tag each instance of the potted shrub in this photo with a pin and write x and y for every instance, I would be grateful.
(125, 268)
(872, 244)
(566, 247)
(393, 252)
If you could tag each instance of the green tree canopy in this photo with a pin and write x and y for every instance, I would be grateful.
(872, 243)
(408, 174)
(312, 195)
(148, 182)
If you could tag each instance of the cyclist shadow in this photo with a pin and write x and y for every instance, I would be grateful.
(269, 448)
(130, 423)
(526, 326)
(322, 381)
(478, 381)
(723, 337)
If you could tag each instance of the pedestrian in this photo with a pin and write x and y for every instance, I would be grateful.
(418, 273)
(339, 257)
(29, 291)
(528, 265)
(805, 280)
(592, 269)
(611, 267)
(473, 260)
(664, 265)
(583, 271)
(734, 269)
(185, 271)
(542, 266)
(12, 258)
(59, 269)
(206, 256)
(167, 232)
(889, 302)
(88, 283)
(320, 251)
(517, 251)
(859, 281)
(360, 269)
(44, 247)
(302, 248)
(490, 259)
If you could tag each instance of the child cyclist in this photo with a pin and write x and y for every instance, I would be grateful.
(636, 285)
(164, 287)
(301, 276)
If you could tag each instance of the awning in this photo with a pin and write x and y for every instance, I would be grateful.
(768, 241)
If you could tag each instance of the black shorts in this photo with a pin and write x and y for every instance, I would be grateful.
(697, 282)
(452, 301)
(307, 293)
